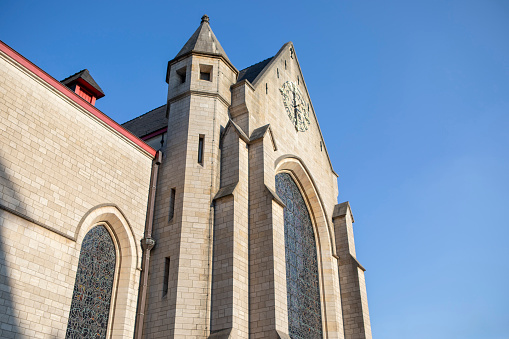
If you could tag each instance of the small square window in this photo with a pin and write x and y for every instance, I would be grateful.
(204, 76)
(181, 73)
(206, 72)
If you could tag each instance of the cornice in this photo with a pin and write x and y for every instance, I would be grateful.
(202, 54)
(200, 93)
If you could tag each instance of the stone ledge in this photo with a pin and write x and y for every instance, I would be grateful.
(275, 197)
(282, 335)
(33, 221)
(221, 334)
(260, 132)
(237, 129)
(225, 191)
(340, 210)
(358, 263)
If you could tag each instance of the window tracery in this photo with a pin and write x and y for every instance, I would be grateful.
(93, 287)
(303, 291)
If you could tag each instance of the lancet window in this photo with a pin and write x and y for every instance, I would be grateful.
(302, 282)
(93, 287)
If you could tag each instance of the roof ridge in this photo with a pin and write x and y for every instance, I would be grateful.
(251, 73)
(70, 76)
(139, 116)
(259, 62)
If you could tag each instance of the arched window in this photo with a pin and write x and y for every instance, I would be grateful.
(91, 299)
(304, 309)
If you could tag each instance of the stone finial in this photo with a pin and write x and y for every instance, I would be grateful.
(205, 18)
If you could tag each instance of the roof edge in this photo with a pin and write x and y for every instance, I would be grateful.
(64, 90)
(264, 70)
(139, 116)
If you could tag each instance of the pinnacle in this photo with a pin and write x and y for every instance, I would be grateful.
(203, 41)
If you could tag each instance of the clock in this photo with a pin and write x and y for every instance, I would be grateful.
(296, 106)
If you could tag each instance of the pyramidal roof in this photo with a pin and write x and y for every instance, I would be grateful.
(85, 75)
(203, 41)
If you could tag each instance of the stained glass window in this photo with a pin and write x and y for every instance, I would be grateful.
(93, 287)
(304, 309)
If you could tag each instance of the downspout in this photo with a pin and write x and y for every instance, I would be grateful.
(147, 243)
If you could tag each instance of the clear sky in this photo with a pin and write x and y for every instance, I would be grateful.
(413, 101)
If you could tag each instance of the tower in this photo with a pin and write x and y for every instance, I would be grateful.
(199, 80)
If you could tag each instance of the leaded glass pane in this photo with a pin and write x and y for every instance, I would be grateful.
(304, 309)
(93, 287)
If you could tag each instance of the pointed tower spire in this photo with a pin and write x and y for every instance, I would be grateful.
(203, 41)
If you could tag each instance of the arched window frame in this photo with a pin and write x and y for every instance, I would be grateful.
(317, 243)
(127, 267)
(116, 276)
(332, 318)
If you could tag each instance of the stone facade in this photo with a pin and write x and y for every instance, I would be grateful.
(218, 267)
(63, 171)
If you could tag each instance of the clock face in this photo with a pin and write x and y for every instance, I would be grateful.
(296, 107)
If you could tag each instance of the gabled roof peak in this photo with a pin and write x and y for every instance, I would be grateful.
(203, 41)
(85, 75)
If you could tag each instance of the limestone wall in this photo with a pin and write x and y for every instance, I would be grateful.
(62, 171)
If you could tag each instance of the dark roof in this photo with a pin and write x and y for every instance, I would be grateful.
(252, 71)
(85, 75)
(147, 123)
(203, 40)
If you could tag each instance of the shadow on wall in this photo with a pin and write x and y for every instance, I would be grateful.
(9, 322)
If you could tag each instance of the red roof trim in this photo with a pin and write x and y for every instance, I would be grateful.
(89, 88)
(155, 133)
(73, 96)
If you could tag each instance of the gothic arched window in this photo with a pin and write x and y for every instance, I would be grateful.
(91, 299)
(302, 284)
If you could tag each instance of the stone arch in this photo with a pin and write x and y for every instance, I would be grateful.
(327, 257)
(123, 304)
(300, 172)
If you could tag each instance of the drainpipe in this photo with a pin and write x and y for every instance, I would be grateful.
(147, 243)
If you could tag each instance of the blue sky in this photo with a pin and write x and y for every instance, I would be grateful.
(413, 101)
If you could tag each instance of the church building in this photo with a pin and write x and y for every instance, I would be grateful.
(214, 215)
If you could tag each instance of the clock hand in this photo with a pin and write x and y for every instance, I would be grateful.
(294, 109)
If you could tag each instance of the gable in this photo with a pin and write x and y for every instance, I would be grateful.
(283, 67)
